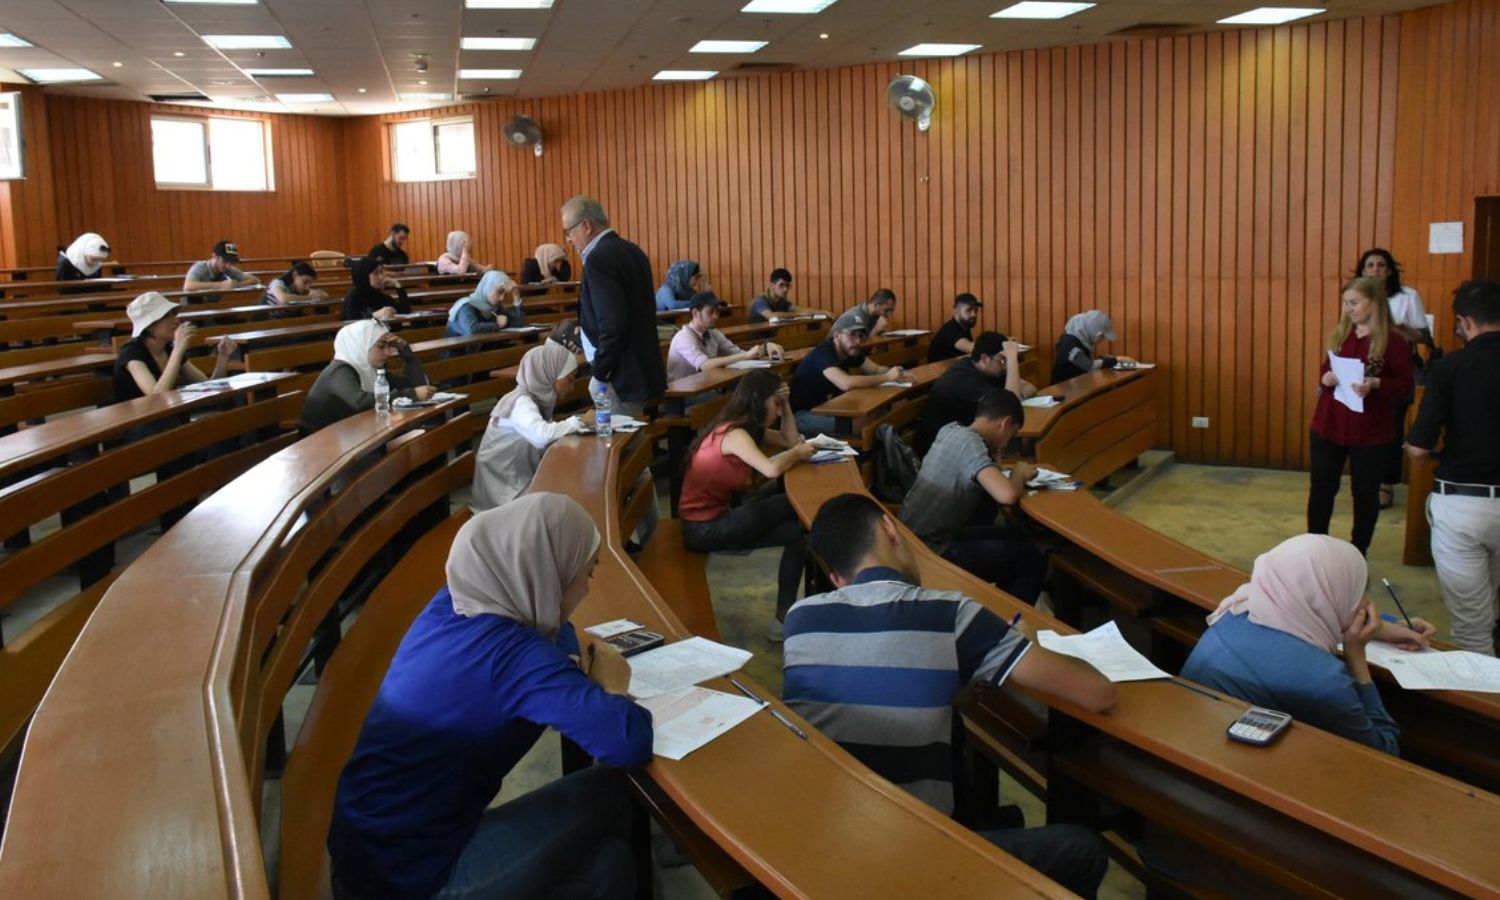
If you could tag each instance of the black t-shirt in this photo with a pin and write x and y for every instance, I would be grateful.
(953, 398)
(133, 350)
(942, 346)
(362, 302)
(531, 271)
(387, 256)
(1459, 401)
(809, 386)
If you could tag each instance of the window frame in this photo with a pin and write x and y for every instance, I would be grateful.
(206, 123)
(433, 124)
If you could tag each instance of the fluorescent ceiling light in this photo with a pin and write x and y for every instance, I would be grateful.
(14, 40)
(683, 75)
(508, 4)
(305, 98)
(1040, 9)
(939, 49)
(247, 41)
(216, 2)
(805, 7)
(1270, 15)
(426, 96)
(497, 43)
(727, 46)
(278, 73)
(485, 74)
(60, 76)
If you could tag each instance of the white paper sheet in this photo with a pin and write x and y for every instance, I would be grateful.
(624, 423)
(683, 664)
(751, 364)
(829, 442)
(685, 720)
(1042, 401)
(1105, 649)
(613, 627)
(1348, 371)
(900, 384)
(906, 332)
(1135, 365)
(1445, 237)
(1432, 670)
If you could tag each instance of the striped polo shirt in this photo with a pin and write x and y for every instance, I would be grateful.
(875, 665)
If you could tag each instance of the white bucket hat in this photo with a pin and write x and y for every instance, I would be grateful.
(146, 310)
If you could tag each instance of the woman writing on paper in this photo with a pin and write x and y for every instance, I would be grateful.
(481, 673)
(521, 427)
(495, 304)
(1340, 434)
(1080, 341)
(347, 385)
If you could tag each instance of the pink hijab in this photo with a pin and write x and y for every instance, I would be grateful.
(1308, 586)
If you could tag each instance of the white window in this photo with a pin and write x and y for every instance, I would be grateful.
(212, 153)
(12, 150)
(433, 149)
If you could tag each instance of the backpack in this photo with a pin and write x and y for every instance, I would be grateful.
(896, 466)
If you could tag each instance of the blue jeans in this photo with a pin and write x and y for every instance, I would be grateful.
(569, 839)
(1070, 855)
(811, 424)
(990, 552)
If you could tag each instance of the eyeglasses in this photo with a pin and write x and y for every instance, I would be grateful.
(568, 229)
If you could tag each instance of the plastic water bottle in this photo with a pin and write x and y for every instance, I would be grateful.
(382, 394)
(603, 425)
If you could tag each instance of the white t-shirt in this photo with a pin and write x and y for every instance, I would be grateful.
(1407, 309)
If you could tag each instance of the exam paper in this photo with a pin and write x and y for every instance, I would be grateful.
(613, 627)
(906, 332)
(685, 720)
(828, 442)
(1042, 401)
(1434, 670)
(1135, 365)
(751, 364)
(900, 384)
(682, 664)
(1105, 649)
(620, 422)
(1349, 372)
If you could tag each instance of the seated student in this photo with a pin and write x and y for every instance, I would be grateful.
(456, 260)
(83, 259)
(719, 464)
(956, 337)
(834, 366)
(952, 504)
(366, 297)
(495, 304)
(1273, 641)
(293, 286)
(698, 345)
(521, 427)
(481, 673)
(776, 299)
(993, 363)
(207, 274)
(549, 264)
(347, 385)
(1075, 349)
(875, 663)
(392, 250)
(154, 360)
(684, 279)
(874, 314)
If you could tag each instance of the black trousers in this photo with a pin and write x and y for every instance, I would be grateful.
(1395, 453)
(1366, 466)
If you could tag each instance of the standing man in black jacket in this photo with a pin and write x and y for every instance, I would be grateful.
(616, 307)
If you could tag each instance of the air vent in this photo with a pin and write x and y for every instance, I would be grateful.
(1151, 29)
(752, 68)
(260, 99)
(178, 98)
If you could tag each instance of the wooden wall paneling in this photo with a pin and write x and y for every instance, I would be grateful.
(1276, 354)
(1292, 283)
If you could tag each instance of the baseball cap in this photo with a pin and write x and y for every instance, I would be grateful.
(227, 249)
(146, 310)
(967, 299)
(850, 321)
(702, 299)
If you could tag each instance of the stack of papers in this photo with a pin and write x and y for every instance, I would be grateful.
(1436, 670)
(906, 332)
(831, 449)
(1136, 364)
(1349, 372)
(1042, 401)
(685, 720)
(1050, 480)
(1105, 649)
(751, 364)
(623, 423)
(682, 664)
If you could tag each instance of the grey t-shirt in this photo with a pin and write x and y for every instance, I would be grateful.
(947, 491)
(203, 270)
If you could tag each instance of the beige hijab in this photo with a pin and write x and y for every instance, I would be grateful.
(1308, 586)
(456, 241)
(546, 255)
(540, 368)
(352, 346)
(517, 559)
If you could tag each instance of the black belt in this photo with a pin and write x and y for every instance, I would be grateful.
(1468, 490)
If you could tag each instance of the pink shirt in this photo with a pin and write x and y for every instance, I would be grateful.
(690, 350)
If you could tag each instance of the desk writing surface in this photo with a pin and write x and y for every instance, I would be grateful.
(320, 328)
(74, 365)
(858, 402)
(1073, 391)
(254, 311)
(703, 381)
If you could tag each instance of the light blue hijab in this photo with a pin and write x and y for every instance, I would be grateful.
(480, 299)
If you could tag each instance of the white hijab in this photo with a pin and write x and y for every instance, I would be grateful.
(352, 344)
(85, 246)
(517, 559)
(537, 377)
(456, 241)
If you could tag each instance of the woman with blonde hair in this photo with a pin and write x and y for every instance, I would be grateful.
(1339, 434)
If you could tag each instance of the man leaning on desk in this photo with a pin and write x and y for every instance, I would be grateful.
(837, 365)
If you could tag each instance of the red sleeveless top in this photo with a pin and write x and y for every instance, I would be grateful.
(712, 476)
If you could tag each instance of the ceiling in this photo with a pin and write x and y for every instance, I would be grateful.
(146, 47)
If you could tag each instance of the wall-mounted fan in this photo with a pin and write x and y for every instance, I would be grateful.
(913, 98)
(521, 131)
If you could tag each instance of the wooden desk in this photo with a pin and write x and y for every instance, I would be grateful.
(1106, 420)
(261, 337)
(103, 328)
(1419, 833)
(42, 389)
(858, 412)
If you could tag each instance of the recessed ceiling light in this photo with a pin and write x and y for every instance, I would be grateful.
(1040, 9)
(683, 75)
(423, 82)
(14, 40)
(247, 41)
(426, 96)
(305, 98)
(508, 4)
(485, 74)
(362, 91)
(178, 53)
(805, 7)
(823, 36)
(117, 64)
(939, 49)
(278, 73)
(1270, 15)
(59, 76)
(497, 43)
(727, 46)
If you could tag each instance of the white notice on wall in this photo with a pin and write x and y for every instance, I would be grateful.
(1445, 237)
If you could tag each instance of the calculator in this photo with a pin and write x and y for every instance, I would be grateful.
(1258, 726)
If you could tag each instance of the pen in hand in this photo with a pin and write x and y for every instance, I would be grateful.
(773, 710)
(1392, 592)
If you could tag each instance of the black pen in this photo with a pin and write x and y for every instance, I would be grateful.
(779, 717)
(1392, 591)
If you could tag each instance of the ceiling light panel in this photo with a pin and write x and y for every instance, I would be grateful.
(803, 7)
(59, 76)
(727, 46)
(247, 41)
(497, 43)
(939, 49)
(215, 2)
(488, 74)
(508, 4)
(279, 73)
(683, 75)
(13, 40)
(1040, 9)
(1271, 15)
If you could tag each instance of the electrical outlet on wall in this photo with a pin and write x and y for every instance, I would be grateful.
(1200, 421)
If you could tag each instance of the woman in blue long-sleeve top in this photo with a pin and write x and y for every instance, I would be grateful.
(481, 673)
(1273, 641)
(684, 279)
(495, 304)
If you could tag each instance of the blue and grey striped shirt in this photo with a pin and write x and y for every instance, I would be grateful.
(875, 665)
